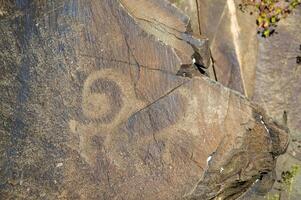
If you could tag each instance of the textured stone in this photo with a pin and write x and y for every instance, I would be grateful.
(233, 42)
(189, 7)
(92, 108)
(272, 73)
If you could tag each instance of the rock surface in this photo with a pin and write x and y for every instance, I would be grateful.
(270, 74)
(189, 7)
(92, 108)
(277, 87)
(232, 36)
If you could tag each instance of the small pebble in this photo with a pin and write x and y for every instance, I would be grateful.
(59, 165)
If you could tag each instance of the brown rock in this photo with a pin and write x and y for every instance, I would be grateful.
(189, 7)
(276, 86)
(91, 108)
(232, 35)
(171, 27)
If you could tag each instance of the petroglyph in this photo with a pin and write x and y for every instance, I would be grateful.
(159, 125)
(108, 98)
(152, 139)
(102, 97)
(108, 103)
(98, 98)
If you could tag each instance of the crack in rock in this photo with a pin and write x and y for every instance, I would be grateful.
(172, 27)
(247, 166)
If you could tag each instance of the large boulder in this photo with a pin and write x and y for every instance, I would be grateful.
(264, 69)
(93, 107)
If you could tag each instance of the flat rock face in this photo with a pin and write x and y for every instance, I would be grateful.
(92, 108)
(233, 42)
(274, 74)
(277, 87)
(189, 7)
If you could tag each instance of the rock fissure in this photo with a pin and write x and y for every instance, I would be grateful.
(187, 46)
(240, 170)
(107, 100)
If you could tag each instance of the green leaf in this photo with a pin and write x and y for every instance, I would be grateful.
(266, 33)
(273, 20)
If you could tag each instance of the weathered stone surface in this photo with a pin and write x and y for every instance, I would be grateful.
(190, 8)
(91, 108)
(232, 35)
(171, 27)
(276, 86)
